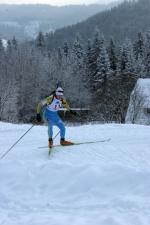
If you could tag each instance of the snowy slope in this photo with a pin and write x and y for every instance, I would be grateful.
(96, 184)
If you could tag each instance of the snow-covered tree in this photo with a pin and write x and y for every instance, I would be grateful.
(97, 42)
(14, 43)
(66, 49)
(126, 60)
(40, 41)
(103, 69)
(77, 75)
(112, 55)
(147, 54)
(138, 46)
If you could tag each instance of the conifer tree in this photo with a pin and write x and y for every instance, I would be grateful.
(126, 60)
(103, 69)
(14, 43)
(66, 49)
(112, 55)
(77, 73)
(147, 54)
(97, 42)
(138, 46)
(40, 41)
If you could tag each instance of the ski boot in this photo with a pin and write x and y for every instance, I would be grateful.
(50, 144)
(63, 142)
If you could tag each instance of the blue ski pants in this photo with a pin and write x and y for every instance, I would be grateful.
(53, 119)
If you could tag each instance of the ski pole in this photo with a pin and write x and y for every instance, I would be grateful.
(56, 135)
(16, 143)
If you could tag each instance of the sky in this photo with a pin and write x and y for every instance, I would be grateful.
(54, 2)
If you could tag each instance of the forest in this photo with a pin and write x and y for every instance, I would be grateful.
(96, 73)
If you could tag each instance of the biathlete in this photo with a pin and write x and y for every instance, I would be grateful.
(49, 108)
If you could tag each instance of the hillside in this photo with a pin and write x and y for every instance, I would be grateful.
(121, 22)
(25, 21)
(102, 183)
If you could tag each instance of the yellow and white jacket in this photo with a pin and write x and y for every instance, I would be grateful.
(52, 104)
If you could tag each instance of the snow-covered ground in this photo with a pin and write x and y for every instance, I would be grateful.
(96, 184)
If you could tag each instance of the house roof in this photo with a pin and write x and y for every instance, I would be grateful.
(143, 89)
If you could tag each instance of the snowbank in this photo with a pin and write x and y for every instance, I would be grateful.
(102, 183)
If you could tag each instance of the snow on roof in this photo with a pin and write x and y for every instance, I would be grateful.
(143, 87)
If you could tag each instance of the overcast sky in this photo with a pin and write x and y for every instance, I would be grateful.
(55, 2)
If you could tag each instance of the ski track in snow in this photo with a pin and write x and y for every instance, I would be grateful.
(105, 183)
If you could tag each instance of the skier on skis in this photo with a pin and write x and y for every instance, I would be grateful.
(49, 107)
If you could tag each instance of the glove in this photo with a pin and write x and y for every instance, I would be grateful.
(38, 117)
(73, 112)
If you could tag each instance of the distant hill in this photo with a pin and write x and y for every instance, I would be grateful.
(25, 21)
(112, 3)
(122, 21)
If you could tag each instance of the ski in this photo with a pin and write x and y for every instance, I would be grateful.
(49, 150)
(78, 143)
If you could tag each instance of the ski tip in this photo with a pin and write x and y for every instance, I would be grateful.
(49, 151)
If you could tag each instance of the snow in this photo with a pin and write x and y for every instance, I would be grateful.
(96, 184)
(32, 28)
(5, 43)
